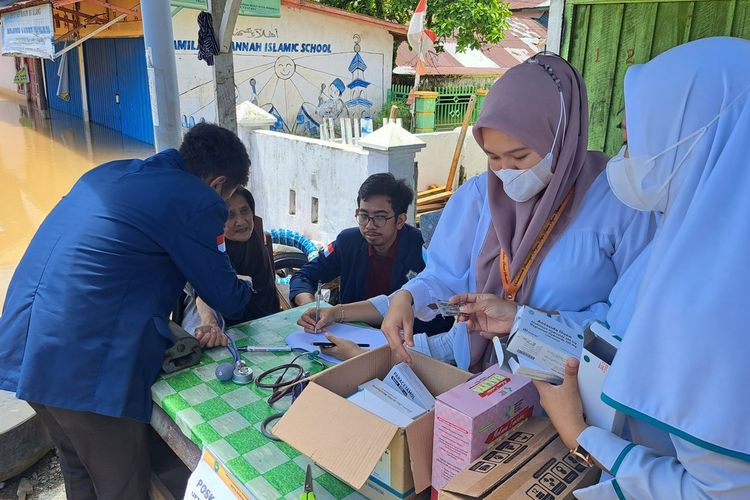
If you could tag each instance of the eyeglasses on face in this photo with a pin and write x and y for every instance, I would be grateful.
(377, 220)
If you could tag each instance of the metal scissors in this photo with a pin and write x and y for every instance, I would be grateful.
(308, 493)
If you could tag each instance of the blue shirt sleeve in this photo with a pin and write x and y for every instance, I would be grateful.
(195, 250)
(324, 268)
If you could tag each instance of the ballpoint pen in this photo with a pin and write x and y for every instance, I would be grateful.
(266, 348)
(331, 344)
(317, 307)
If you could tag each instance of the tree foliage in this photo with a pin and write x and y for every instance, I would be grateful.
(472, 23)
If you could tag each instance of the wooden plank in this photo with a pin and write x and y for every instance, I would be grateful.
(709, 19)
(568, 11)
(433, 198)
(730, 17)
(605, 26)
(636, 36)
(186, 450)
(460, 144)
(394, 112)
(62, 3)
(78, 42)
(579, 34)
(741, 20)
(689, 9)
(432, 207)
(157, 490)
(116, 8)
(671, 24)
(91, 18)
(432, 191)
(64, 19)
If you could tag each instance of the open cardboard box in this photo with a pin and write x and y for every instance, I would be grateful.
(529, 461)
(350, 442)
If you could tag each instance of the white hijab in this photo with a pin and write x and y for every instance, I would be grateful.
(684, 364)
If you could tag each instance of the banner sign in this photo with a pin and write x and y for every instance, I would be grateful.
(256, 8)
(29, 32)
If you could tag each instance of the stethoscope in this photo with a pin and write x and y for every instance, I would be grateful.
(239, 373)
(284, 386)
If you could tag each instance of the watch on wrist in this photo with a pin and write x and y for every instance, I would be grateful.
(583, 455)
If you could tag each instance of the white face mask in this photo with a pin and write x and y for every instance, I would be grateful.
(522, 185)
(637, 182)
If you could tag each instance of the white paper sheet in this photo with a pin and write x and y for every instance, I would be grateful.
(358, 334)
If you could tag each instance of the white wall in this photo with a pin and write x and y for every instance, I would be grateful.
(7, 74)
(275, 68)
(333, 174)
(311, 167)
(435, 160)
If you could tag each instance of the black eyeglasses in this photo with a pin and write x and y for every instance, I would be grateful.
(377, 221)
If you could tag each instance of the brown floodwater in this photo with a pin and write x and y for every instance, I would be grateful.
(40, 159)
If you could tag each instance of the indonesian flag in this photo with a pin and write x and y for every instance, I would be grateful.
(220, 243)
(420, 38)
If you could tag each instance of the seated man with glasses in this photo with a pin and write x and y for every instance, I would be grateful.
(376, 258)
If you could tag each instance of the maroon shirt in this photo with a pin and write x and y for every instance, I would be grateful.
(380, 271)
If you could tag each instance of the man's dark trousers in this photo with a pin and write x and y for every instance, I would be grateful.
(101, 457)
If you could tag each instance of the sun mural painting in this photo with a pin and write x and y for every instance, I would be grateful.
(299, 89)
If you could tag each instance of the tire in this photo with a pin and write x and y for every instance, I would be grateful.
(288, 261)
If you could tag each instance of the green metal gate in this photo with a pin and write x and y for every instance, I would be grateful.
(601, 38)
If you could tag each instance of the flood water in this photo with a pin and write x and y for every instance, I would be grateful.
(40, 159)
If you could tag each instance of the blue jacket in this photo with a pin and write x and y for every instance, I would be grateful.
(348, 257)
(84, 326)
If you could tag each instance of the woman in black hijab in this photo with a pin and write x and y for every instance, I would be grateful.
(245, 243)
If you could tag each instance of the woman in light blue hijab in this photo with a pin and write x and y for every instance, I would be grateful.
(682, 373)
(689, 142)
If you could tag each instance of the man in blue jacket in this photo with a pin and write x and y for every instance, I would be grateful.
(377, 257)
(84, 325)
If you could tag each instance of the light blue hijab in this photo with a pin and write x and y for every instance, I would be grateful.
(684, 364)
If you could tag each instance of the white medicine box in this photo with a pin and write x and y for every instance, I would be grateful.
(599, 348)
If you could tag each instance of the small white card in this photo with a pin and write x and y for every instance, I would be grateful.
(212, 480)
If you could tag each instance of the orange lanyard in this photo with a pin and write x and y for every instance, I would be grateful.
(511, 286)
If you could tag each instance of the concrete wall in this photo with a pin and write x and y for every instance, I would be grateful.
(311, 168)
(435, 160)
(301, 67)
(333, 173)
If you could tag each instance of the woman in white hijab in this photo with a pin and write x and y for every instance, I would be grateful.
(682, 372)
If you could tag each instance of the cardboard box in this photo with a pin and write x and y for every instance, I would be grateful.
(474, 414)
(538, 467)
(376, 457)
(599, 349)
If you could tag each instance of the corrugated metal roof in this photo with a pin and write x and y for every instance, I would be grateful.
(10, 5)
(398, 30)
(528, 4)
(524, 38)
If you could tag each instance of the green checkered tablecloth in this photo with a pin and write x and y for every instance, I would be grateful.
(226, 416)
